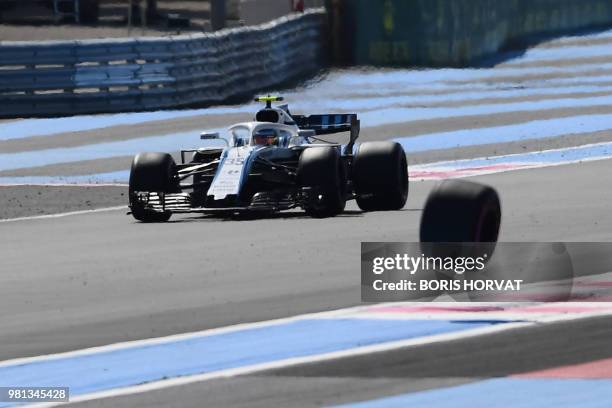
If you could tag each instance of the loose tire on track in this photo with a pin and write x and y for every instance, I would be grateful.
(152, 172)
(321, 169)
(460, 219)
(461, 211)
(380, 176)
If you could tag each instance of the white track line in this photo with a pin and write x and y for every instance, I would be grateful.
(66, 214)
(445, 337)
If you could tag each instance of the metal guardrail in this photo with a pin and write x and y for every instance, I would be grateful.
(88, 76)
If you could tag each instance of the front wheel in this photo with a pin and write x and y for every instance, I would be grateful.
(155, 173)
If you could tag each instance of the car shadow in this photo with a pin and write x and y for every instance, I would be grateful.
(293, 215)
(262, 216)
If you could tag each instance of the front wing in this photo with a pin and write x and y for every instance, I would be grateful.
(269, 201)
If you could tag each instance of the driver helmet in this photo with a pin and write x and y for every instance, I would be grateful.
(265, 137)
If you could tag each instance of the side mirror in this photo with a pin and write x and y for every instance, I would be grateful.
(209, 136)
(306, 133)
(213, 136)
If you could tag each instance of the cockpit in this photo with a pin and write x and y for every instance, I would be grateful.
(261, 135)
(265, 137)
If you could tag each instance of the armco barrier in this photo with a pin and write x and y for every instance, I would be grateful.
(454, 32)
(70, 77)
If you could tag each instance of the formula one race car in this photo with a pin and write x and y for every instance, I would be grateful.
(274, 163)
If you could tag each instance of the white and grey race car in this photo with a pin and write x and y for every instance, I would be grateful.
(278, 162)
(274, 163)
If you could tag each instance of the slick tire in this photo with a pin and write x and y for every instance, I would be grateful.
(152, 172)
(380, 176)
(321, 169)
(460, 219)
(461, 211)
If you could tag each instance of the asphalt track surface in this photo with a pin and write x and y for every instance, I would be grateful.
(99, 278)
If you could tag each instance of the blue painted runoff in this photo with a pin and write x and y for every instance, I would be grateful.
(206, 354)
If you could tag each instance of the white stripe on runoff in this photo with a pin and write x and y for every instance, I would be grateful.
(66, 214)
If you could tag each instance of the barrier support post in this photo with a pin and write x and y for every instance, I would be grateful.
(217, 14)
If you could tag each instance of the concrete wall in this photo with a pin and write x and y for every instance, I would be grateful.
(260, 11)
(454, 32)
(252, 12)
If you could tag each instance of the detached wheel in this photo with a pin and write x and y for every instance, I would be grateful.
(380, 176)
(460, 219)
(461, 211)
(321, 169)
(152, 172)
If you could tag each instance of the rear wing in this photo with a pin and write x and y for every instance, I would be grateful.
(325, 124)
(331, 123)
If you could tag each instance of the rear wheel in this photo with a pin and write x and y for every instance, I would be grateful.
(152, 172)
(380, 176)
(321, 169)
